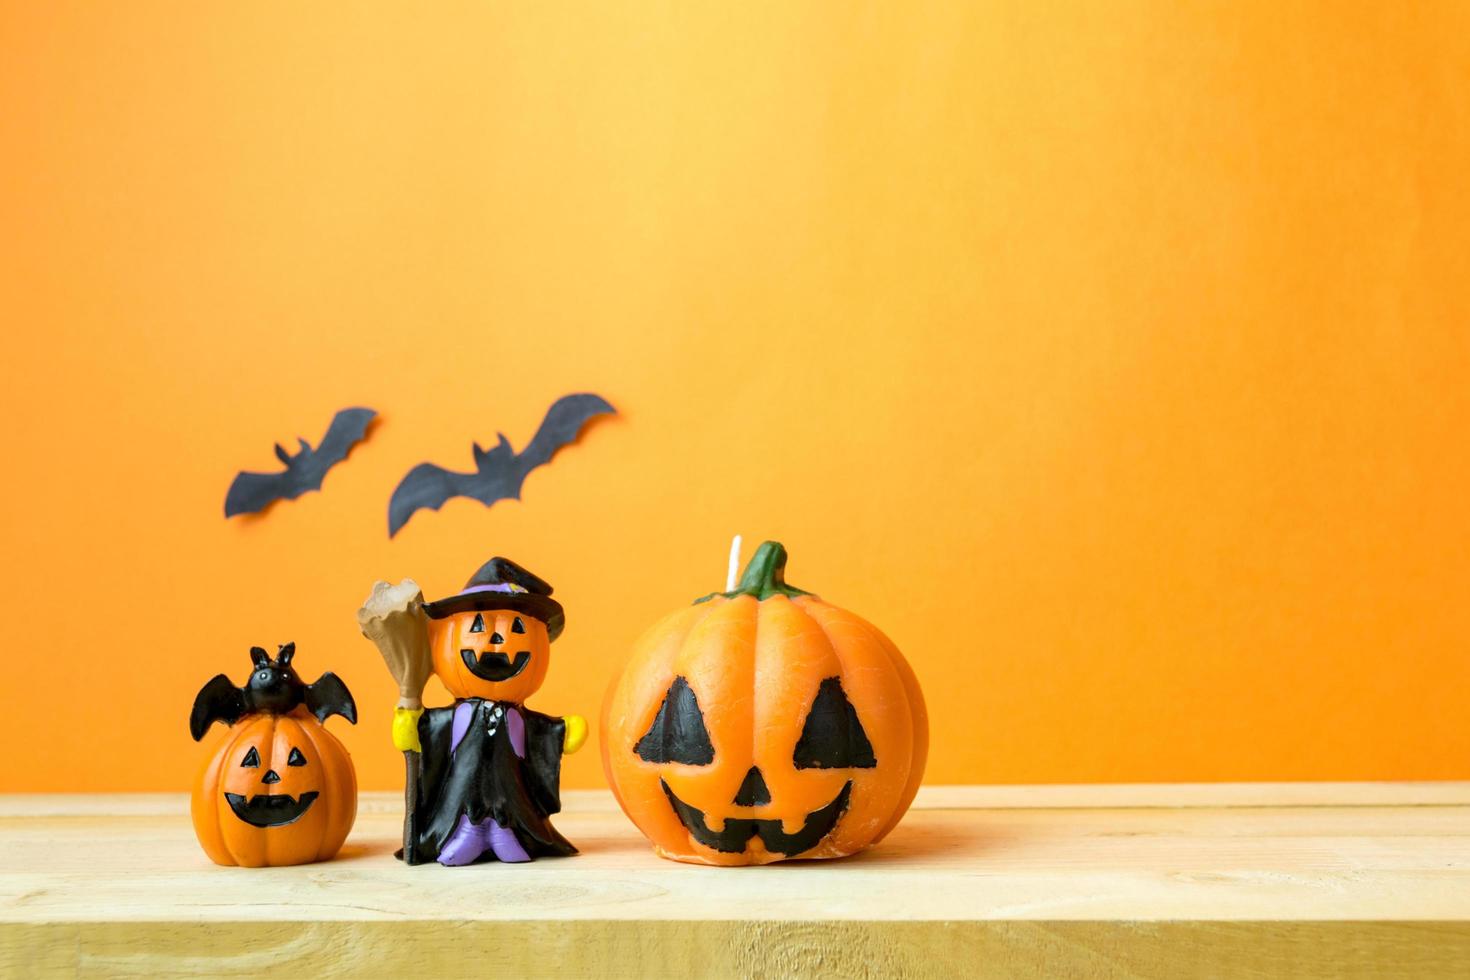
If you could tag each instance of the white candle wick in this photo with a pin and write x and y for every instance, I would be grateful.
(734, 566)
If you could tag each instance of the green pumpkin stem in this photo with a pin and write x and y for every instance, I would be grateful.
(764, 577)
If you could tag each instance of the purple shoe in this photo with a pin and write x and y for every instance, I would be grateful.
(505, 845)
(466, 844)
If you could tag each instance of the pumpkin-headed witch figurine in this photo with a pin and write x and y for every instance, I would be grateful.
(280, 789)
(762, 724)
(483, 773)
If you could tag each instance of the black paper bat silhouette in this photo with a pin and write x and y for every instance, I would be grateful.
(273, 687)
(500, 471)
(253, 492)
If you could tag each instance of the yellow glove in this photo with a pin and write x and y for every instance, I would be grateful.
(406, 729)
(576, 733)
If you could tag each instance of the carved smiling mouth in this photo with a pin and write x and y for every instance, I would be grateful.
(266, 810)
(739, 830)
(491, 666)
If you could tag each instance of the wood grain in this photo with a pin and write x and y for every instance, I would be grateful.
(1266, 880)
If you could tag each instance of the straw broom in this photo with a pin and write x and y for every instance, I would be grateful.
(393, 618)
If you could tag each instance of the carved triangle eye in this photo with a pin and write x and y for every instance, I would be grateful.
(677, 733)
(251, 760)
(833, 737)
(478, 626)
(296, 758)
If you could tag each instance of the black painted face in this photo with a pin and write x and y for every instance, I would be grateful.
(738, 831)
(677, 733)
(832, 737)
(495, 665)
(269, 810)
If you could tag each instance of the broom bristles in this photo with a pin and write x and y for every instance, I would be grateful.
(393, 618)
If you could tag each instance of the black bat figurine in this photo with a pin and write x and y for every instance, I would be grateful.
(500, 471)
(252, 492)
(273, 687)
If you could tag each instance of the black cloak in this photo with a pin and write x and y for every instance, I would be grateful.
(485, 778)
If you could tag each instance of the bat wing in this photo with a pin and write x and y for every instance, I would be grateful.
(498, 474)
(563, 421)
(347, 429)
(329, 696)
(426, 485)
(218, 700)
(251, 492)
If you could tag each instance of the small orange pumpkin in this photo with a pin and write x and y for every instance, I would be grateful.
(500, 643)
(280, 789)
(764, 724)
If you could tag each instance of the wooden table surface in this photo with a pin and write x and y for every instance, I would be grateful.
(1331, 880)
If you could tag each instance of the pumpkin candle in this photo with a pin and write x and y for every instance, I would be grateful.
(762, 724)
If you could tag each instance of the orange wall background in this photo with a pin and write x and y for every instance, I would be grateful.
(1114, 358)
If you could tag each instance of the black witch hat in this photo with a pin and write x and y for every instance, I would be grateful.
(502, 584)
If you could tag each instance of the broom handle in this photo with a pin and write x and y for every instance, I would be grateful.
(392, 617)
(411, 764)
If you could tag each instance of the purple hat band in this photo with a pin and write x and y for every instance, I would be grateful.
(498, 587)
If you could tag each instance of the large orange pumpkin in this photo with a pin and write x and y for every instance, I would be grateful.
(764, 724)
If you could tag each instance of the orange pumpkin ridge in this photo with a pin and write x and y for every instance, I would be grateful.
(764, 724)
(340, 795)
(915, 702)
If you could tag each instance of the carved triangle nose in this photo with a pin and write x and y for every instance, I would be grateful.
(753, 790)
(271, 776)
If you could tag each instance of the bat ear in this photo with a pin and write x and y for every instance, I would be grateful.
(502, 448)
(259, 657)
(288, 650)
(281, 453)
(305, 446)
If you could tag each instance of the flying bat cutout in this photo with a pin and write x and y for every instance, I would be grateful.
(252, 492)
(273, 687)
(499, 471)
